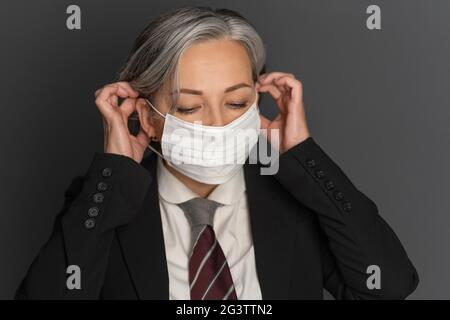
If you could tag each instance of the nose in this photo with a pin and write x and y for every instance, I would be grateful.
(215, 117)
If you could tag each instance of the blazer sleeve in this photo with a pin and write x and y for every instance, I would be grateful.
(107, 196)
(354, 236)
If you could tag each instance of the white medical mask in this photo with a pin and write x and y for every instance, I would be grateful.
(209, 154)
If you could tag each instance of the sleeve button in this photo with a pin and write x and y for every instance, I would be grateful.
(320, 174)
(107, 172)
(89, 223)
(93, 212)
(346, 206)
(98, 197)
(102, 186)
(311, 163)
(329, 185)
(338, 195)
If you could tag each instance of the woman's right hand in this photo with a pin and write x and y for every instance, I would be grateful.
(117, 138)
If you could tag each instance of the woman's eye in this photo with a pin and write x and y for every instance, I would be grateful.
(237, 105)
(186, 110)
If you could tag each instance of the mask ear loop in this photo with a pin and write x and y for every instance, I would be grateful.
(157, 111)
(149, 145)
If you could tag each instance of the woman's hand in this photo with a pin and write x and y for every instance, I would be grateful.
(117, 138)
(291, 120)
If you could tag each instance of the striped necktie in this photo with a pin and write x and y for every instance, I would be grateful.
(209, 274)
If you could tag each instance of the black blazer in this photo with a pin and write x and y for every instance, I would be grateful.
(312, 230)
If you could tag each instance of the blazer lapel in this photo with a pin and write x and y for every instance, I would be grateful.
(142, 243)
(273, 228)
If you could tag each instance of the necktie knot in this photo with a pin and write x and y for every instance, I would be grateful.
(200, 211)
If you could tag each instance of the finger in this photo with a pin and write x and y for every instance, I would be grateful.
(99, 91)
(272, 77)
(282, 85)
(109, 95)
(269, 77)
(127, 87)
(114, 100)
(122, 91)
(280, 88)
(102, 100)
(272, 89)
(128, 106)
(276, 94)
(104, 92)
(295, 94)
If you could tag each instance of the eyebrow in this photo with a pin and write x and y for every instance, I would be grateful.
(229, 89)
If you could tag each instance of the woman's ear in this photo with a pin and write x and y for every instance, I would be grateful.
(146, 120)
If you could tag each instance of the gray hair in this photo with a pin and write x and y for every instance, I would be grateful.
(153, 60)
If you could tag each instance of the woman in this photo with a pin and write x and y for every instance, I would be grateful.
(182, 222)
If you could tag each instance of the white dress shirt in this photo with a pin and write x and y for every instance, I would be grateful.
(231, 225)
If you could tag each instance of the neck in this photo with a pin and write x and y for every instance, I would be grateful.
(200, 188)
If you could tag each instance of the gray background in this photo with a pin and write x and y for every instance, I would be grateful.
(377, 102)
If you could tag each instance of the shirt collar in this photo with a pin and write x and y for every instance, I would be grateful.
(173, 190)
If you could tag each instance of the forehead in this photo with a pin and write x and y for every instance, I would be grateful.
(214, 63)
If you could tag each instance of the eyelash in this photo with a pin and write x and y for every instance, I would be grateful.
(189, 110)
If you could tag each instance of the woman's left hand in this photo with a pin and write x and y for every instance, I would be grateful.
(291, 120)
